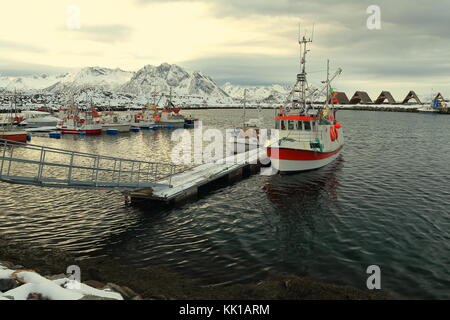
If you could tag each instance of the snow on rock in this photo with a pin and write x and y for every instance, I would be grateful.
(184, 83)
(275, 92)
(35, 286)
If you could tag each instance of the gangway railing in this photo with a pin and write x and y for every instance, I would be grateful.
(24, 163)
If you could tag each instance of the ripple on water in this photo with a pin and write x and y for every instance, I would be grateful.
(384, 201)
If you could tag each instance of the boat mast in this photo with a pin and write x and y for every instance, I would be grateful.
(245, 100)
(301, 77)
(328, 83)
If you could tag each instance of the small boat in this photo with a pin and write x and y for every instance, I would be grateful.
(113, 121)
(434, 108)
(36, 119)
(84, 122)
(170, 116)
(14, 135)
(428, 109)
(246, 137)
(189, 122)
(9, 131)
(146, 118)
(309, 136)
(170, 119)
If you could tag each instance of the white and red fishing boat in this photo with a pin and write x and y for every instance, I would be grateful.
(76, 121)
(146, 118)
(309, 135)
(8, 127)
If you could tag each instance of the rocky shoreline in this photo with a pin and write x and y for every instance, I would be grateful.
(105, 277)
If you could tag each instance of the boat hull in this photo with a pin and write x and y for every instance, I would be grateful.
(296, 160)
(429, 111)
(76, 131)
(118, 127)
(171, 124)
(18, 137)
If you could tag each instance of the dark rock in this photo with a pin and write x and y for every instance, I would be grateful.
(90, 297)
(95, 284)
(7, 264)
(94, 274)
(57, 276)
(7, 284)
(125, 292)
(158, 297)
(36, 296)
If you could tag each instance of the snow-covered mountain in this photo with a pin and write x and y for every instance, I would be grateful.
(105, 86)
(93, 78)
(96, 77)
(268, 93)
(28, 83)
(165, 76)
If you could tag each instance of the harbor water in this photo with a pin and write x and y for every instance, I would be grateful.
(385, 201)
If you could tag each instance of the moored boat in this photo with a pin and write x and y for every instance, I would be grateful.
(37, 119)
(77, 121)
(309, 136)
(14, 135)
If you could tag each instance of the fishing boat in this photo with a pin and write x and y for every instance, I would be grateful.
(146, 118)
(246, 138)
(114, 121)
(14, 135)
(10, 131)
(76, 121)
(309, 135)
(435, 106)
(37, 119)
(170, 116)
(428, 109)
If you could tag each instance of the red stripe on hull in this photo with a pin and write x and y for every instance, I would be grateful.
(15, 137)
(69, 131)
(296, 154)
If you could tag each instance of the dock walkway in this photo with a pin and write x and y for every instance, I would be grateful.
(186, 185)
(22, 163)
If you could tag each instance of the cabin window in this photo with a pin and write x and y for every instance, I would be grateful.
(291, 124)
(307, 125)
(299, 125)
(313, 124)
(283, 126)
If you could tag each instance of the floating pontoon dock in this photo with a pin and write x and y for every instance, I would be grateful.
(186, 185)
(28, 164)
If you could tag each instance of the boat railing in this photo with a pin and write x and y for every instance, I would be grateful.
(24, 163)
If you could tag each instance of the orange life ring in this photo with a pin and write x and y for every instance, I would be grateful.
(333, 133)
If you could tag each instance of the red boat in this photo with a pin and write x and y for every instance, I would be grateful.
(18, 136)
(80, 122)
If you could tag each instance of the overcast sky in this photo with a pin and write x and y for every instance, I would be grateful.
(241, 41)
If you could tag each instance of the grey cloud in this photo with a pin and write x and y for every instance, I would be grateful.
(16, 68)
(103, 33)
(20, 46)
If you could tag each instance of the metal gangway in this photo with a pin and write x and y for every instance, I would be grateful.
(29, 164)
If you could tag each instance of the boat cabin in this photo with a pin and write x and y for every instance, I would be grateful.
(301, 123)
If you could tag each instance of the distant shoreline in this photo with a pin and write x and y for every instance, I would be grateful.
(381, 108)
